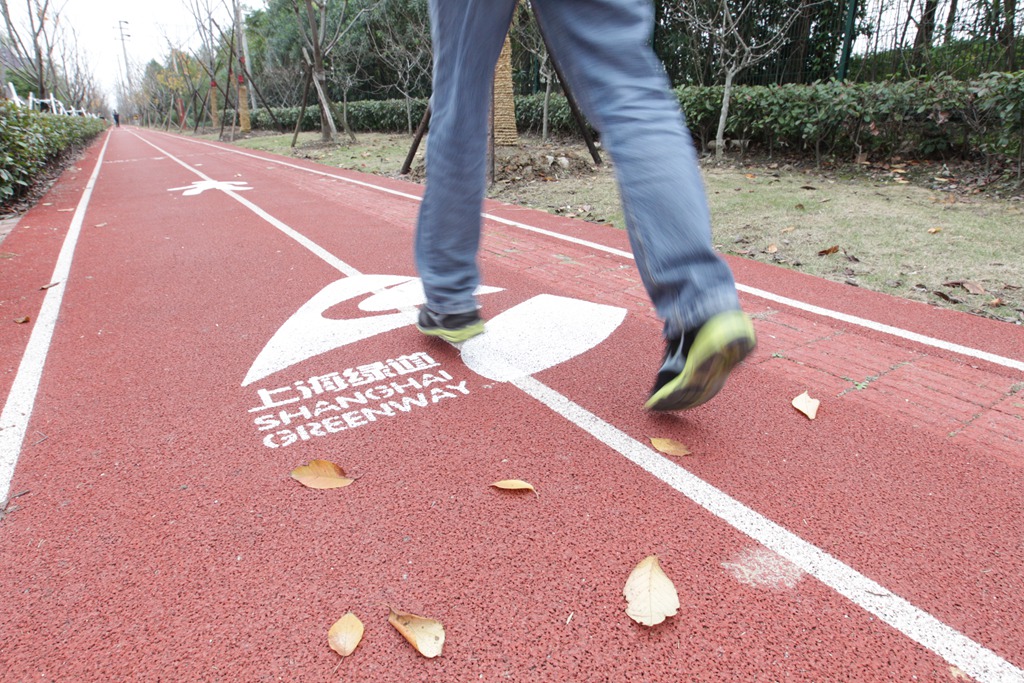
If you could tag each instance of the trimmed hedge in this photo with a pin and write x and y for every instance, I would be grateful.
(935, 118)
(30, 141)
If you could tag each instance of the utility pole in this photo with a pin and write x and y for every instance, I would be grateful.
(127, 69)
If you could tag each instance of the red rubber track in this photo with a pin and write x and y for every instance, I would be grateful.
(160, 539)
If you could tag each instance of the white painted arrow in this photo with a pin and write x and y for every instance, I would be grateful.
(539, 334)
(309, 333)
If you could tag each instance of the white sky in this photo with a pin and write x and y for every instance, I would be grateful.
(151, 23)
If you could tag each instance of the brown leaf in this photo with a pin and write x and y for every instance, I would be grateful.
(800, 207)
(946, 297)
(828, 252)
(424, 634)
(934, 231)
(345, 635)
(808, 187)
(789, 228)
(807, 405)
(514, 485)
(995, 302)
(22, 320)
(321, 474)
(969, 285)
(52, 284)
(650, 595)
(772, 248)
(670, 446)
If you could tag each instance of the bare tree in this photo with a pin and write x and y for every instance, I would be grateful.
(35, 43)
(400, 38)
(527, 34)
(740, 48)
(321, 34)
(203, 12)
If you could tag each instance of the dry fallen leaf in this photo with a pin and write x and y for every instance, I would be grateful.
(650, 595)
(514, 485)
(345, 635)
(807, 405)
(789, 228)
(772, 248)
(970, 285)
(321, 474)
(52, 284)
(670, 446)
(995, 302)
(827, 252)
(22, 320)
(934, 231)
(425, 635)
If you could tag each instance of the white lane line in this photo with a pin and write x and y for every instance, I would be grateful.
(22, 396)
(970, 352)
(887, 329)
(945, 641)
(953, 646)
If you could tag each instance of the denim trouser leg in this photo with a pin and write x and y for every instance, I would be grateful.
(602, 48)
(467, 36)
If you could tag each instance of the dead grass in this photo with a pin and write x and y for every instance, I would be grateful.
(909, 239)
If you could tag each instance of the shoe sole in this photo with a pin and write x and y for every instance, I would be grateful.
(722, 343)
(454, 336)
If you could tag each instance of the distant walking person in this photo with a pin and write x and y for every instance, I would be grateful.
(117, 120)
(602, 48)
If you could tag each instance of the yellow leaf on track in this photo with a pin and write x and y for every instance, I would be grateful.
(321, 474)
(807, 405)
(345, 635)
(650, 595)
(514, 485)
(670, 446)
(424, 634)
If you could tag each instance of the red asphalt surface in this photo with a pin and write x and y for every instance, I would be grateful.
(159, 537)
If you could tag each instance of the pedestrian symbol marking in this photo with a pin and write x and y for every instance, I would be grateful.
(201, 186)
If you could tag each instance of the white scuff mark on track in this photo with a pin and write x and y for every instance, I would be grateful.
(926, 340)
(22, 396)
(762, 568)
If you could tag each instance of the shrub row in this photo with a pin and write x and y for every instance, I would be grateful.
(936, 118)
(30, 141)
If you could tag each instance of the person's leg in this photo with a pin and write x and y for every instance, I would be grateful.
(467, 39)
(602, 48)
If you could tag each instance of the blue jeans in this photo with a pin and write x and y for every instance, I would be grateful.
(602, 49)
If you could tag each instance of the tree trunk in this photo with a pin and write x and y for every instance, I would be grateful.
(1007, 37)
(950, 21)
(344, 118)
(544, 116)
(504, 99)
(726, 96)
(328, 131)
(925, 32)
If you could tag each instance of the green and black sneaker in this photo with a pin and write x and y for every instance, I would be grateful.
(453, 327)
(696, 366)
